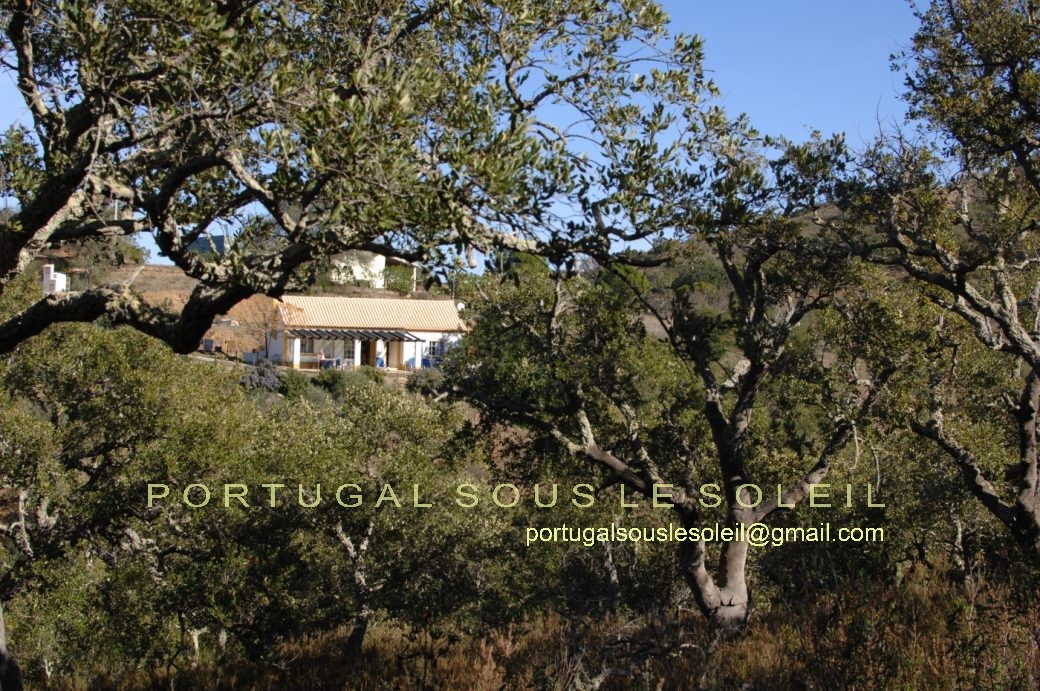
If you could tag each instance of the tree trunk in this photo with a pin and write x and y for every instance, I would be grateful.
(734, 608)
(357, 638)
(726, 602)
(1026, 524)
(613, 582)
(362, 592)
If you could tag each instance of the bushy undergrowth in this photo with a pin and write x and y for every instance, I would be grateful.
(372, 374)
(426, 382)
(341, 384)
(260, 596)
(337, 384)
(927, 633)
(264, 376)
(293, 384)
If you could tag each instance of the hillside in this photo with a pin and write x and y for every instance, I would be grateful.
(243, 328)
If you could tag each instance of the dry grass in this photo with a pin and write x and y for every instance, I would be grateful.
(924, 634)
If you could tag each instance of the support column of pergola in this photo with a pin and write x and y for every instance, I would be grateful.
(417, 354)
(380, 338)
(294, 352)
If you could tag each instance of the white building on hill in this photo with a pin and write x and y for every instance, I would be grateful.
(366, 268)
(54, 281)
(313, 332)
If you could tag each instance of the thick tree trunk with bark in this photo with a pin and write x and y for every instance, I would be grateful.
(362, 590)
(724, 599)
(357, 637)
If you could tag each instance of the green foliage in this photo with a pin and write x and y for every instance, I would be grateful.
(426, 382)
(293, 384)
(93, 257)
(103, 413)
(398, 278)
(927, 633)
(973, 73)
(19, 162)
(108, 585)
(292, 122)
(19, 294)
(956, 210)
(372, 374)
(338, 383)
(520, 365)
(626, 283)
(343, 385)
(517, 266)
(773, 335)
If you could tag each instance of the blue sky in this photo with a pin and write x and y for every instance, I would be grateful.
(795, 65)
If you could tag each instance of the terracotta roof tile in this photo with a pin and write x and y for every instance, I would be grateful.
(310, 311)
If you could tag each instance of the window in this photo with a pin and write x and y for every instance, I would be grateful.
(307, 345)
(438, 349)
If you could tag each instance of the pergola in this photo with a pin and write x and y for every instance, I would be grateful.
(354, 335)
(378, 336)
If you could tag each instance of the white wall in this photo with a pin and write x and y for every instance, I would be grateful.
(54, 281)
(359, 266)
(276, 340)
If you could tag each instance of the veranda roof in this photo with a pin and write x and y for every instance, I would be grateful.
(335, 313)
(353, 334)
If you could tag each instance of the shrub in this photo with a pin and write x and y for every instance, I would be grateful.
(341, 383)
(336, 382)
(426, 382)
(398, 279)
(316, 396)
(294, 384)
(371, 374)
(264, 376)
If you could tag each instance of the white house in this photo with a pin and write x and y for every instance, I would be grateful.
(357, 266)
(54, 281)
(319, 331)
